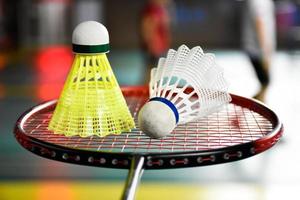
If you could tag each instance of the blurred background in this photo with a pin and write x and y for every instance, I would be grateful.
(36, 55)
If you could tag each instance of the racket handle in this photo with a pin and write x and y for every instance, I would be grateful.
(133, 178)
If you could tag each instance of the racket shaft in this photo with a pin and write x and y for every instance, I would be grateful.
(133, 178)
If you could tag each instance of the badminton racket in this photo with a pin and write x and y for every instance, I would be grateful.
(244, 128)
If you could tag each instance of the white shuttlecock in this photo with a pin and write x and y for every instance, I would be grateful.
(186, 85)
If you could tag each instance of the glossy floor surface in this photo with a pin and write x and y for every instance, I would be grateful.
(271, 175)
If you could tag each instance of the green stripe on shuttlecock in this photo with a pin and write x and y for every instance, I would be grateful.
(104, 48)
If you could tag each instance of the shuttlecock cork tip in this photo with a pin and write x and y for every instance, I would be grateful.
(90, 37)
(156, 119)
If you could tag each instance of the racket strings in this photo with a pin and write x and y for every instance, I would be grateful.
(231, 126)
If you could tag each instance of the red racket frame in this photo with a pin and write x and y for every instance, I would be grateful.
(137, 161)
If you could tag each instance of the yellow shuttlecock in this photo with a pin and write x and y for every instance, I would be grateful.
(91, 102)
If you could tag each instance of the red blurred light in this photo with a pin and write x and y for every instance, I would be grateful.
(52, 65)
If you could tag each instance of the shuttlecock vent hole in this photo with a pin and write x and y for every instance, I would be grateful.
(94, 71)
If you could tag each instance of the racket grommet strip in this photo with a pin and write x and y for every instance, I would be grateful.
(158, 162)
(125, 162)
(184, 161)
(210, 158)
(226, 156)
(91, 159)
(53, 154)
(173, 162)
(77, 158)
(252, 150)
(65, 156)
(114, 162)
(102, 160)
(149, 163)
(239, 154)
(199, 160)
(119, 162)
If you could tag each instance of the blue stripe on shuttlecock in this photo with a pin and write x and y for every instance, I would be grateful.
(168, 103)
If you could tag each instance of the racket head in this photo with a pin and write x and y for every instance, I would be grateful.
(244, 128)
